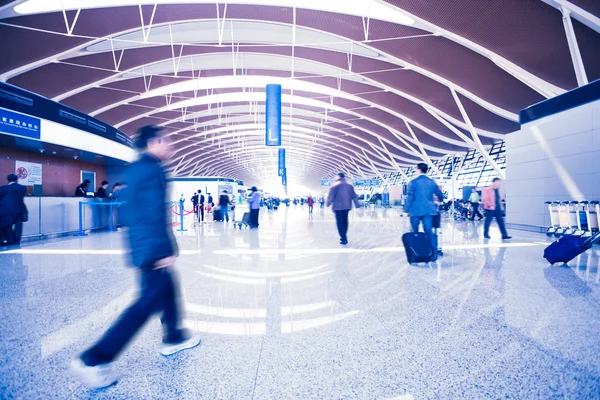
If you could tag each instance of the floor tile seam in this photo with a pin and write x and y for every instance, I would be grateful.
(258, 366)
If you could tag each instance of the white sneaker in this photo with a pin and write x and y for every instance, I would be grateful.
(97, 377)
(168, 349)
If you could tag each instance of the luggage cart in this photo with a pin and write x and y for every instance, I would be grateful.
(573, 218)
(593, 216)
(554, 218)
(582, 219)
(563, 218)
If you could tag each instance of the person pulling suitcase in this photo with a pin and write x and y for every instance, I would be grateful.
(421, 207)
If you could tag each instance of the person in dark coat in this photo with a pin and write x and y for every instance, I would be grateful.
(81, 190)
(224, 202)
(153, 251)
(13, 211)
(102, 190)
(420, 204)
(201, 205)
(341, 196)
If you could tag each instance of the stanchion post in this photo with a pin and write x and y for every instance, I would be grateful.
(111, 225)
(181, 216)
(81, 233)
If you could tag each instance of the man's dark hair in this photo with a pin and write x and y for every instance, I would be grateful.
(341, 175)
(224, 191)
(496, 180)
(104, 183)
(422, 167)
(254, 189)
(199, 191)
(86, 182)
(12, 178)
(145, 134)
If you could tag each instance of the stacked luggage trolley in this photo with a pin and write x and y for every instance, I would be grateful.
(576, 224)
(577, 218)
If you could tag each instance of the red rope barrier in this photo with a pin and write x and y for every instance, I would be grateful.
(185, 212)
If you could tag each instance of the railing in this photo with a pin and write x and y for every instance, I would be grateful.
(111, 205)
(50, 216)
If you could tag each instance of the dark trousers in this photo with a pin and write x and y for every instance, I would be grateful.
(12, 228)
(254, 218)
(341, 220)
(428, 229)
(201, 213)
(158, 294)
(310, 209)
(489, 216)
(476, 211)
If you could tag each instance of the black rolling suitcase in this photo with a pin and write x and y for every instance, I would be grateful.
(417, 246)
(217, 216)
(568, 247)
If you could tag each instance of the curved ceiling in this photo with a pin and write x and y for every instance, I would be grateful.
(369, 86)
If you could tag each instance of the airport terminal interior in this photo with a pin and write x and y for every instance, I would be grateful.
(248, 129)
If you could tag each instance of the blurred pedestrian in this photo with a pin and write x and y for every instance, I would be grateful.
(420, 204)
(13, 211)
(341, 196)
(492, 205)
(254, 202)
(153, 251)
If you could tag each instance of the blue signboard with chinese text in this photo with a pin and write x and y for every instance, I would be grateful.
(17, 124)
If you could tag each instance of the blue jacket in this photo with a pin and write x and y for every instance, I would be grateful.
(420, 197)
(254, 201)
(150, 234)
(341, 196)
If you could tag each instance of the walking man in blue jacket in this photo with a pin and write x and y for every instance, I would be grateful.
(341, 197)
(153, 251)
(420, 204)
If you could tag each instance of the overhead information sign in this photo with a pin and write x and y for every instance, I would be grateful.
(273, 115)
(16, 124)
(281, 163)
(367, 182)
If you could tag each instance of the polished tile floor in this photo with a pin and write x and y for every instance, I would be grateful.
(287, 313)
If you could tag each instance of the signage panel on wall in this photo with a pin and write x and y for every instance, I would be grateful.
(229, 189)
(17, 124)
(367, 182)
(327, 182)
(273, 116)
(29, 173)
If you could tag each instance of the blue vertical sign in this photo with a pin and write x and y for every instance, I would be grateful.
(273, 115)
(281, 163)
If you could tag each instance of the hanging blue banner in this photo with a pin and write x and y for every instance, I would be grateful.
(284, 181)
(273, 115)
(281, 163)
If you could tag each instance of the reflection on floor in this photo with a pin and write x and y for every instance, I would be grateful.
(287, 313)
